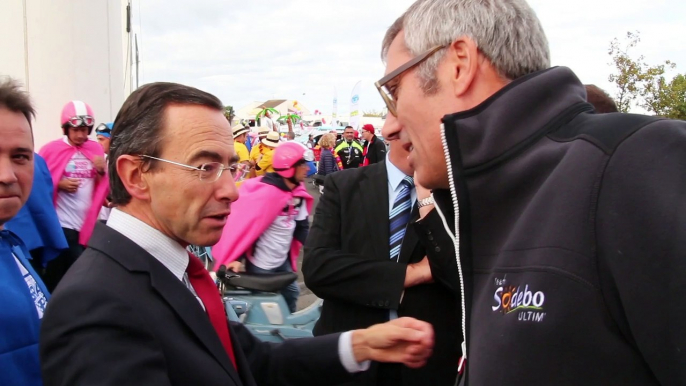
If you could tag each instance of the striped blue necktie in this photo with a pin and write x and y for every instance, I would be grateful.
(400, 216)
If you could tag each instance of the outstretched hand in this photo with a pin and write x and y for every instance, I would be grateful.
(405, 340)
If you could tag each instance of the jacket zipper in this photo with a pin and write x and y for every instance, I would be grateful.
(456, 244)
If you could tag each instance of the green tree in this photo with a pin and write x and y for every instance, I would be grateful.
(629, 72)
(639, 84)
(656, 91)
(230, 114)
(678, 95)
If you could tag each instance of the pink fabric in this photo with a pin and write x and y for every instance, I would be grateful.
(257, 207)
(57, 154)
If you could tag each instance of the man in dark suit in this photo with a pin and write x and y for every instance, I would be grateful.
(136, 309)
(358, 261)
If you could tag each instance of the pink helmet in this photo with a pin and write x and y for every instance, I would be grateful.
(76, 114)
(288, 155)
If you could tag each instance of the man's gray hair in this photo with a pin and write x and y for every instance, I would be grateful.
(507, 32)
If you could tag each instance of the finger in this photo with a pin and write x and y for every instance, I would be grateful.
(414, 324)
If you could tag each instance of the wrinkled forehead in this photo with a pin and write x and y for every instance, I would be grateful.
(190, 131)
(15, 131)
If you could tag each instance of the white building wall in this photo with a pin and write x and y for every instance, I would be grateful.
(63, 50)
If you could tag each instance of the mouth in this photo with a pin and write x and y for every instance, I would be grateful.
(408, 147)
(9, 196)
(219, 218)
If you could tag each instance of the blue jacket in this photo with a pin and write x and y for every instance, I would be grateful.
(19, 363)
(37, 224)
(327, 163)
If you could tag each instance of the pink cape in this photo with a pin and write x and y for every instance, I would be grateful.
(255, 210)
(57, 154)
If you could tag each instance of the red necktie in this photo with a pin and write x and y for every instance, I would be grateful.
(207, 292)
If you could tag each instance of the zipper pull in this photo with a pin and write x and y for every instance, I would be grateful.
(463, 358)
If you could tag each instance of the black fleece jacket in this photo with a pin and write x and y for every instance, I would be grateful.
(572, 238)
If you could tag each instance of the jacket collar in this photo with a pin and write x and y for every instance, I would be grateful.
(514, 116)
(135, 259)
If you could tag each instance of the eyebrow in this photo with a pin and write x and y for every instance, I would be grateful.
(234, 159)
(205, 154)
(23, 150)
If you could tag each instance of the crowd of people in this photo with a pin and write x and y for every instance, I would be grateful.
(516, 230)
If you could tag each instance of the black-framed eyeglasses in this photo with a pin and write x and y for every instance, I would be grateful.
(211, 171)
(387, 90)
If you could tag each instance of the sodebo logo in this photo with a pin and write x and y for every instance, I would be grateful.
(510, 298)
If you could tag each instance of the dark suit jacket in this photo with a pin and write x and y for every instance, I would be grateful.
(119, 317)
(347, 264)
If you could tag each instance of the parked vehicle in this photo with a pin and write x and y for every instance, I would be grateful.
(254, 301)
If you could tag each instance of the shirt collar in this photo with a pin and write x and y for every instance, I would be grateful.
(167, 251)
(395, 175)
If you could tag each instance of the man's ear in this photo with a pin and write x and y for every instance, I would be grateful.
(130, 173)
(463, 59)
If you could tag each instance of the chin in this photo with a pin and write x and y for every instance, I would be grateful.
(431, 179)
(207, 239)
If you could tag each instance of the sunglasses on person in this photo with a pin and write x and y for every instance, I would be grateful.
(103, 129)
(388, 85)
(81, 121)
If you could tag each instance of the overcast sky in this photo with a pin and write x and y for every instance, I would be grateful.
(254, 50)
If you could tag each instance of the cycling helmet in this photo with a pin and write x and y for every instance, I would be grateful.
(288, 156)
(77, 114)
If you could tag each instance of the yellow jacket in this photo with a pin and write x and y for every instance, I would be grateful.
(241, 151)
(262, 156)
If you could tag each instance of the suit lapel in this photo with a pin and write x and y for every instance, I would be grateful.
(375, 207)
(189, 310)
(174, 292)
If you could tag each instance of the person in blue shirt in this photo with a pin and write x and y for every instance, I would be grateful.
(37, 224)
(23, 296)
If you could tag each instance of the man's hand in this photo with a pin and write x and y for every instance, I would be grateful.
(418, 273)
(235, 266)
(69, 185)
(100, 165)
(406, 340)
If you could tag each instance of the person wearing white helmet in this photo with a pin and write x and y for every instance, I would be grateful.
(77, 166)
(271, 238)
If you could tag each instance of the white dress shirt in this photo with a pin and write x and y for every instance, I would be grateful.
(175, 258)
(395, 177)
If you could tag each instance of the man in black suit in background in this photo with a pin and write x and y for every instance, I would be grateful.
(358, 261)
(136, 309)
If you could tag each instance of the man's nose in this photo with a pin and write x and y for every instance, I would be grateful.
(226, 188)
(391, 128)
(7, 174)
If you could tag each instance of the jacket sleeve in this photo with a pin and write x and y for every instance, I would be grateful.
(641, 245)
(296, 362)
(440, 251)
(321, 168)
(73, 350)
(302, 229)
(334, 274)
(379, 151)
(330, 163)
